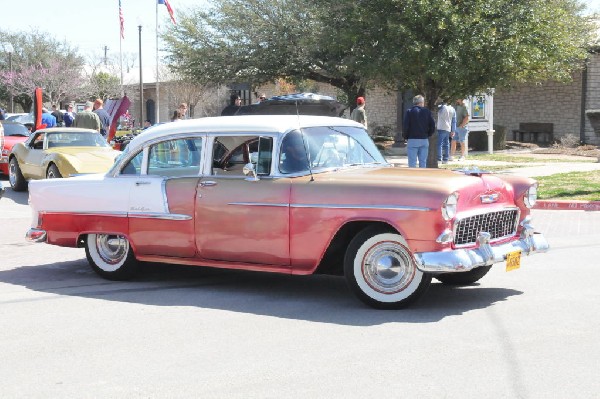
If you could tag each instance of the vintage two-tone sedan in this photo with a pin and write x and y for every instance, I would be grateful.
(288, 194)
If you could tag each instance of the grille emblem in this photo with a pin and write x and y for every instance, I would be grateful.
(489, 198)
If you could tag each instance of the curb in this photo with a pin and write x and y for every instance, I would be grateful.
(567, 205)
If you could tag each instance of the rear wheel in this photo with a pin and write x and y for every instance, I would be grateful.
(464, 278)
(53, 172)
(380, 269)
(111, 256)
(15, 177)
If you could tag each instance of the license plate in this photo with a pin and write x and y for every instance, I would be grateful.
(513, 260)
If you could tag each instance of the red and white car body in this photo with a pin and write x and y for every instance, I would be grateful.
(224, 192)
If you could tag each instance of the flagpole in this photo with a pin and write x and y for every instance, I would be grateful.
(121, 48)
(157, 75)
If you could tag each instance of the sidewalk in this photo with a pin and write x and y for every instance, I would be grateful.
(533, 169)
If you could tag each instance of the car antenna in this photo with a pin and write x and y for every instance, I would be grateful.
(312, 178)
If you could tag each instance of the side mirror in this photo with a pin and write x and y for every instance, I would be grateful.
(250, 170)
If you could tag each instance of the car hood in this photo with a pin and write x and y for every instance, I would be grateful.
(417, 187)
(88, 159)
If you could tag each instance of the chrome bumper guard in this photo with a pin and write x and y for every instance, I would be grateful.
(36, 235)
(485, 254)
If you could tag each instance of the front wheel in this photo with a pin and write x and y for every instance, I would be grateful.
(380, 270)
(464, 278)
(15, 177)
(111, 256)
(53, 172)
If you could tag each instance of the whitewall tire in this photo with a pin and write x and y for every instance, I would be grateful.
(111, 256)
(381, 271)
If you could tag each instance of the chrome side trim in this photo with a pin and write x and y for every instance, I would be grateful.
(258, 204)
(88, 213)
(157, 215)
(336, 206)
(353, 206)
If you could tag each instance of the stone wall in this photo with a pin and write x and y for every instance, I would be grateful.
(549, 102)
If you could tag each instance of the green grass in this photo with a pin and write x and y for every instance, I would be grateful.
(570, 186)
(523, 158)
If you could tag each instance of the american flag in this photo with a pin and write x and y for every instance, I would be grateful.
(169, 9)
(121, 21)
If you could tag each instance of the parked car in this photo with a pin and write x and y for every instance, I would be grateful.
(14, 132)
(58, 152)
(288, 194)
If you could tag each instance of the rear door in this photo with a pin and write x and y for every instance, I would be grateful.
(240, 219)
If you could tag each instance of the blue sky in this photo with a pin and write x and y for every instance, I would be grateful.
(91, 25)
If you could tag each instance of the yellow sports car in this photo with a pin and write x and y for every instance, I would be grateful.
(58, 152)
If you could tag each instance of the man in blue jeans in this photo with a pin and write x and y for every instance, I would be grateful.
(417, 127)
(446, 126)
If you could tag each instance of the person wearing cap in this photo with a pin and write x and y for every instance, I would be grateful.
(87, 119)
(103, 115)
(47, 118)
(358, 114)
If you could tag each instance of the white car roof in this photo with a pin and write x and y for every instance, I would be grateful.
(267, 124)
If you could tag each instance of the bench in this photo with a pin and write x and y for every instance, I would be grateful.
(534, 132)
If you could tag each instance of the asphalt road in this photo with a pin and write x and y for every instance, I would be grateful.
(203, 333)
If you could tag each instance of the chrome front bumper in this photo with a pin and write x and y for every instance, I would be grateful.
(485, 254)
(36, 235)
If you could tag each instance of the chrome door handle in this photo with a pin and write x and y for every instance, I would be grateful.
(208, 183)
(139, 183)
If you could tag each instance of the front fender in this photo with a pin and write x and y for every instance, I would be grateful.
(64, 165)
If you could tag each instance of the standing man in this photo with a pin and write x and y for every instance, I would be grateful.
(358, 114)
(182, 110)
(47, 118)
(69, 116)
(235, 103)
(58, 115)
(103, 115)
(418, 126)
(446, 126)
(87, 119)
(462, 129)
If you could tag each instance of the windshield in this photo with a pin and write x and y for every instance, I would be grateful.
(15, 129)
(327, 147)
(76, 139)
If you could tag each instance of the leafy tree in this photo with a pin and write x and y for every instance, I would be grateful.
(40, 61)
(263, 40)
(453, 48)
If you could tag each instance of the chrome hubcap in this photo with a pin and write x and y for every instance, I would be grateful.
(387, 268)
(112, 249)
(11, 174)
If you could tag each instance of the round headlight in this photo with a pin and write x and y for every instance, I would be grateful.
(530, 197)
(449, 206)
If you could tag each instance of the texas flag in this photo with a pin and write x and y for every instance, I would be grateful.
(169, 9)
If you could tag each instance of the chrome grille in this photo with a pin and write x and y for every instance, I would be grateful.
(498, 224)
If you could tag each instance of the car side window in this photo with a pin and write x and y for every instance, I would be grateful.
(134, 166)
(231, 153)
(172, 158)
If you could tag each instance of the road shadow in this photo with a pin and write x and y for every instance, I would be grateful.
(10, 194)
(317, 298)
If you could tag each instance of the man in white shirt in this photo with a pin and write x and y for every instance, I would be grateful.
(446, 125)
